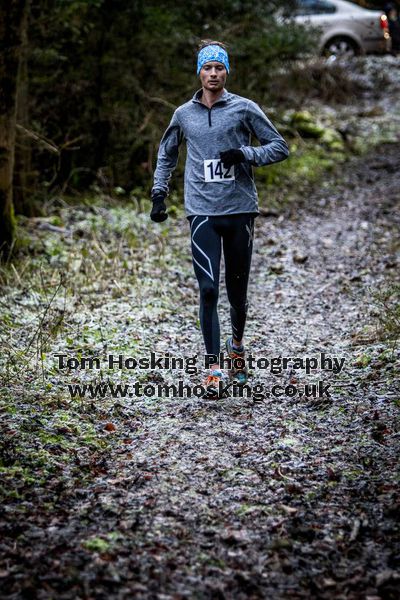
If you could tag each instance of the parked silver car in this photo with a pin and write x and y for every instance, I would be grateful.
(346, 28)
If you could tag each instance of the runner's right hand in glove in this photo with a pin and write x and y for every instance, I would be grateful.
(158, 212)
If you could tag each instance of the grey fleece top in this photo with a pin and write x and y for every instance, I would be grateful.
(211, 189)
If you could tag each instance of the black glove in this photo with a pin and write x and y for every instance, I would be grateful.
(231, 157)
(158, 212)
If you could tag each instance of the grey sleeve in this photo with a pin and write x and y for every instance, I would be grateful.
(167, 154)
(273, 147)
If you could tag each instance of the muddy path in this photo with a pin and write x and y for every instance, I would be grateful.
(280, 497)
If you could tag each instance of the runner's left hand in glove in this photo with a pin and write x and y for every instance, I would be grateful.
(231, 157)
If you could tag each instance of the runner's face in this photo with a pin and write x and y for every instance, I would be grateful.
(213, 76)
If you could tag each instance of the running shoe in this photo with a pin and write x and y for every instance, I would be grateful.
(238, 374)
(212, 385)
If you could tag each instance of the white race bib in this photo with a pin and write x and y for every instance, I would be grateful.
(215, 172)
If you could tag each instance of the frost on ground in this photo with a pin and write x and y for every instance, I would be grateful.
(155, 497)
(177, 497)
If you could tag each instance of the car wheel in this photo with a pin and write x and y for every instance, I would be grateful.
(341, 47)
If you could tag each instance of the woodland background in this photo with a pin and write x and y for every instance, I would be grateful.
(88, 86)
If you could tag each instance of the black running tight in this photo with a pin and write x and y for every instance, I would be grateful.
(235, 232)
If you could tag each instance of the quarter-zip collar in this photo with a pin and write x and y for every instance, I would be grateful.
(223, 98)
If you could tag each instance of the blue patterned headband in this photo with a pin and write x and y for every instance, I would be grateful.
(212, 52)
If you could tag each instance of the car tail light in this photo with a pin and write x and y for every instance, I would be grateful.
(385, 26)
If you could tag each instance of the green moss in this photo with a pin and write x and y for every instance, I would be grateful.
(306, 164)
(362, 361)
(18, 472)
(302, 116)
(352, 474)
(246, 509)
(56, 220)
(332, 140)
(96, 545)
(10, 409)
(306, 125)
(102, 544)
(310, 496)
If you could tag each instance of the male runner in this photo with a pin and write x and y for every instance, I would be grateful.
(220, 195)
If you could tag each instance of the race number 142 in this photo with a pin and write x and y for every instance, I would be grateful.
(215, 172)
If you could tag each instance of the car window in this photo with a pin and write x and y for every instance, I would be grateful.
(314, 7)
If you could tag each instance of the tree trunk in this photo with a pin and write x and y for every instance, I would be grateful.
(13, 20)
(23, 176)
